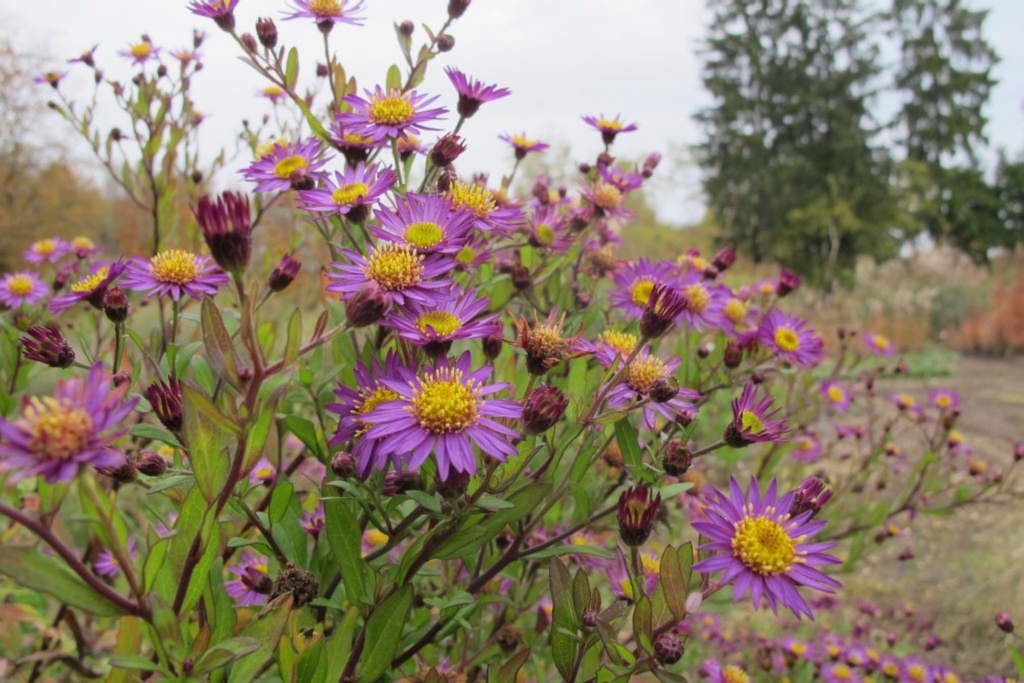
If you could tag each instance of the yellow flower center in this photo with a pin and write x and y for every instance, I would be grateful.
(325, 8)
(607, 196)
(349, 193)
(943, 401)
(644, 372)
(735, 311)
(141, 50)
(906, 400)
(392, 109)
(445, 403)
(174, 266)
(640, 292)
(57, 430)
(545, 233)
(763, 546)
(606, 124)
(734, 674)
(842, 672)
(83, 244)
(394, 266)
(375, 537)
(267, 147)
(881, 342)
(265, 472)
(891, 669)
(44, 247)
(698, 297)
(473, 197)
(955, 436)
(408, 144)
(286, 168)
(273, 91)
(835, 394)
(443, 323)
(424, 234)
(20, 285)
(622, 342)
(466, 255)
(751, 422)
(786, 339)
(522, 143)
(91, 282)
(374, 399)
(916, 672)
(357, 140)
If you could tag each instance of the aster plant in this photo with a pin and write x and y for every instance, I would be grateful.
(437, 431)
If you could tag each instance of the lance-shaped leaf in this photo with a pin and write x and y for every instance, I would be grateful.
(564, 637)
(266, 629)
(220, 349)
(30, 568)
(384, 634)
(508, 671)
(205, 431)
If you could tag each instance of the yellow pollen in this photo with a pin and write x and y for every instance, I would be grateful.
(376, 397)
(445, 403)
(622, 342)
(424, 234)
(392, 109)
(268, 146)
(891, 669)
(466, 255)
(443, 323)
(650, 564)
(141, 50)
(735, 311)
(547, 341)
(91, 282)
(409, 144)
(374, 538)
(325, 8)
(763, 546)
(786, 339)
(20, 285)
(734, 674)
(751, 422)
(767, 288)
(44, 247)
(174, 266)
(881, 342)
(522, 143)
(58, 431)
(836, 394)
(640, 292)
(357, 140)
(545, 233)
(644, 372)
(394, 266)
(798, 648)
(944, 401)
(698, 297)
(916, 672)
(606, 124)
(842, 672)
(607, 196)
(83, 244)
(906, 400)
(477, 199)
(265, 472)
(955, 436)
(286, 168)
(273, 91)
(349, 193)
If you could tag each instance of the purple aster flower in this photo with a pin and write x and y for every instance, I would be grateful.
(175, 272)
(51, 78)
(483, 204)
(90, 288)
(221, 11)
(49, 250)
(22, 288)
(944, 399)
(753, 420)
(408, 146)
(83, 247)
(647, 375)
(806, 449)
(607, 200)
(428, 224)
(389, 114)
(56, 434)
(621, 179)
(609, 127)
(141, 51)
(523, 145)
(473, 254)
(839, 672)
(635, 281)
(326, 13)
(86, 57)
(472, 93)
(288, 165)
(263, 472)
(614, 346)
(398, 269)
(618, 576)
(905, 403)
(352, 193)
(354, 403)
(836, 396)
(705, 302)
(793, 342)
(549, 229)
(253, 584)
(355, 147)
(107, 565)
(761, 549)
(714, 672)
(313, 521)
(443, 411)
(878, 344)
(437, 324)
(45, 344)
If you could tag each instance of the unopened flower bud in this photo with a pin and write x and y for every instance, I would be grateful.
(322, 71)
(456, 8)
(590, 618)
(492, 345)
(395, 483)
(724, 258)
(284, 273)
(907, 554)
(1018, 451)
(678, 458)
(120, 377)
(45, 344)
(520, 277)
(245, 374)
(367, 305)
(758, 378)
(343, 465)
(248, 42)
(732, 357)
(445, 43)
(788, 282)
(509, 638)
(165, 398)
(446, 179)
(161, 71)
(932, 642)
(585, 168)
(668, 648)
(115, 305)
(663, 306)
(812, 495)
(1004, 622)
(455, 484)
(543, 408)
(266, 31)
(650, 163)
(685, 417)
(446, 150)
(123, 473)
(636, 514)
(406, 28)
(663, 389)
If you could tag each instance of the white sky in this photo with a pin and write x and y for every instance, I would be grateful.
(562, 60)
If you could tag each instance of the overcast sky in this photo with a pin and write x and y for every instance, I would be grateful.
(562, 60)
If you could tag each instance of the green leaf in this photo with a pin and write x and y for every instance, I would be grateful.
(345, 540)
(426, 500)
(291, 69)
(674, 583)
(136, 663)
(256, 436)
(220, 350)
(279, 501)
(304, 430)
(30, 568)
(394, 79)
(509, 670)
(672, 490)
(643, 622)
(223, 653)
(154, 433)
(294, 341)
(384, 634)
(629, 445)
(580, 594)
(1018, 660)
(197, 583)
(266, 629)
(204, 431)
(564, 641)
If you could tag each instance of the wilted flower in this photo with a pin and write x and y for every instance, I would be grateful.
(544, 343)
(166, 400)
(661, 310)
(446, 150)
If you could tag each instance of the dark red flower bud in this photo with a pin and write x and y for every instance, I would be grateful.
(543, 408)
(637, 513)
(227, 229)
(120, 377)
(115, 305)
(65, 274)
(446, 179)
(123, 473)
(812, 495)
(724, 258)
(732, 357)
(406, 28)
(663, 306)
(932, 642)
(395, 483)
(580, 218)
(455, 485)
(668, 648)
(447, 150)
(907, 554)
(367, 305)
(284, 273)
(788, 282)
(521, 277)
(492, 345)
(456, 8)
(266, 31)
(151, 463)
(590, 618)
(1004, 622)
(256, 580)
(650, 163)
(445, 42)
(678, 458)
(343, 465)
(167, 403)
(45, 344)
(663, 389)
(1018, 451)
